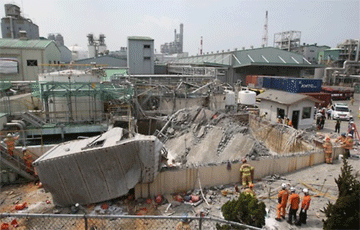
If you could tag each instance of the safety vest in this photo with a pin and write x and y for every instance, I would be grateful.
(349, 143)
(246, 169)
(250, 192)
(306, 202)
(327, 147)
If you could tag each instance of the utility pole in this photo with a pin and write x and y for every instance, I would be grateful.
(265, 37)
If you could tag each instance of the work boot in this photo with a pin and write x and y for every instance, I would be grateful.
(283, 217)
(289, 222)
(278, 219)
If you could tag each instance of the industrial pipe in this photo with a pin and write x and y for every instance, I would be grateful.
(346, 64)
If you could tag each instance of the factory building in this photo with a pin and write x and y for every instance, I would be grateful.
(28, 55)
(177, 45)
(237, 64)
(140, 55)
(287, 40)
(66, 55)
(108, 60)
(311, 51)
(13, 23)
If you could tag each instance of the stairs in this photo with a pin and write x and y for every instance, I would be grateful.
(17, 165)
(33, 119)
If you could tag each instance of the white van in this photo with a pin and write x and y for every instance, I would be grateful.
(341, 111)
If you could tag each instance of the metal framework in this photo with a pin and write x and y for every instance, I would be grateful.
(287, 40)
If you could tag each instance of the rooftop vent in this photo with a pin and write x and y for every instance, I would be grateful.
(243, 48)
(252, 47)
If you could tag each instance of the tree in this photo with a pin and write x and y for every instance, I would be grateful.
(344, 214)
(246, 210)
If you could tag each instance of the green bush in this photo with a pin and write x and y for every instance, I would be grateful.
(344, 214)
(246, 210)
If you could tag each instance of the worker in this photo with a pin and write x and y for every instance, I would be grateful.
(10, 142)
(282, 201)
(246, 173)
(347, 145)
(250, 190)
(293, 206)
(351, 125)
(352, 100)
(304, 207)
(341, 139)
(279, 120)
(337, 125)
(288, 122)
(27, 160)
(328, 113)
(328, 150)
(183, 224)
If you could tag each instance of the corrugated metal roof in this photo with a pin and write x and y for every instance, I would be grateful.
(140, 38)
(283, 97)
(110, 72)
(24, 44)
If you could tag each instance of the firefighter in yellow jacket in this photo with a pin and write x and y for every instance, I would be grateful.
(328, 150)
(246, 173)
(347, 145)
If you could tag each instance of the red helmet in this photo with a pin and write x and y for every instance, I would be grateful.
(244, 160)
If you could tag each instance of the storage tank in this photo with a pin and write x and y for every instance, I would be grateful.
(230, 98)
(247, 97)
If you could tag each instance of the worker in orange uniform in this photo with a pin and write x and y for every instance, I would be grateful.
(250, 190)
(288, 122)
(10, 143)
(347, 145)
(282, 200)
(294, 201)
(328, 150)
(183, 224)
(304, 207)
(27, 160)
(246, 173)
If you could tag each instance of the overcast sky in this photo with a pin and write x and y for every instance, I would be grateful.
(224, 24)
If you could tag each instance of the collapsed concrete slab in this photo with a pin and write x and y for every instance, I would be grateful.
(99, 168)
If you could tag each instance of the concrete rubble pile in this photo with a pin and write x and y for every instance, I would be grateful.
(198, 136)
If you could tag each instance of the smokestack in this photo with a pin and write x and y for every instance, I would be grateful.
(181, 37)
(201, 45)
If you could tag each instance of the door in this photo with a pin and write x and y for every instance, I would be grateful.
(295, 118)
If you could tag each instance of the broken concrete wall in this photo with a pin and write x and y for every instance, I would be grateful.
(278, 138)
(176, 180)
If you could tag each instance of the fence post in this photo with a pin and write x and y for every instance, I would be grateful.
(200, 220)
(86, 222)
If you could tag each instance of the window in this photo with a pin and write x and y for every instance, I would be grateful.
(54, 62)
(281, 113)
(147, 46)
(312, 51)
(49, 62)
(306, 113)
(146, 58)
(31, 62)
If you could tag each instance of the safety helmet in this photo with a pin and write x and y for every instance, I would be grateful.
(283, 185)
(306, 191)
(350, 135)
(251, 185)
(292, 189)
(279, 116)
(327, 138)
(9, 135)
(244, 160)
(351, 122)
(343, 134)
(24, 149)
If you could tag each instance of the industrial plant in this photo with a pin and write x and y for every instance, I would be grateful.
(134, 139)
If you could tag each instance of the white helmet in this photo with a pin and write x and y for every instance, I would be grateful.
(350, 135)
(292, 189)
(24, 149)
(9, 135)
(283, 185)
(306, 191)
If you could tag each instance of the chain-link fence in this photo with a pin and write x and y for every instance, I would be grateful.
(94, 222)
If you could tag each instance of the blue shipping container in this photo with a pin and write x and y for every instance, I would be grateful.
(303, 85)
(267, 82)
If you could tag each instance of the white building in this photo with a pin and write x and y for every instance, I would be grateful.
(298, 107)
(140, 55)
(29, 55)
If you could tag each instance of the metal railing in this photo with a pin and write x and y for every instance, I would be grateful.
(97, 222)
